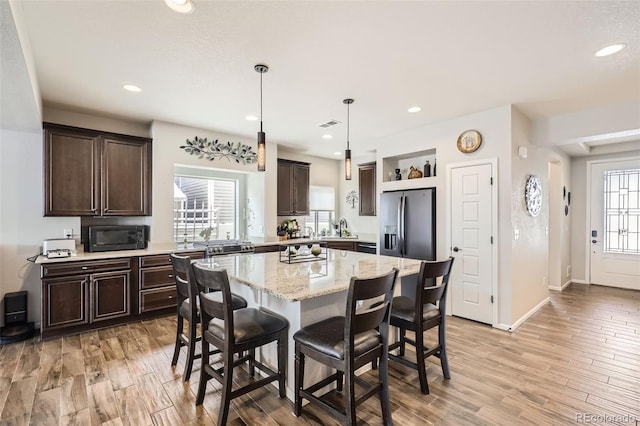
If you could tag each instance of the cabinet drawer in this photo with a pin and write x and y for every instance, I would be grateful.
(342, 245)
(165, 259)
(268, 249)
(158, 298)
(88, 267)
(156, 260)
(158, 276)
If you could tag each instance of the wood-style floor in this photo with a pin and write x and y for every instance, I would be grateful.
(578, 356)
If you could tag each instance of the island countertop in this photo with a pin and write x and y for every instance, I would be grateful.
(305, 280)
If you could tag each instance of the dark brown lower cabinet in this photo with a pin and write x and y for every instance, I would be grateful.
(65, 302)
(82, 295)
(156, 283)
(110, 295)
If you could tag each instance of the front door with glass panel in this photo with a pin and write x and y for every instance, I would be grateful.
(615, 224)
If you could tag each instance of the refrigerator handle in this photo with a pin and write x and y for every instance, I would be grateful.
(403, 201)
(399, 224)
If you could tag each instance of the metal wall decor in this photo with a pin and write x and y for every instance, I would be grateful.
(533, 196)
(215, 150)
(352, 198)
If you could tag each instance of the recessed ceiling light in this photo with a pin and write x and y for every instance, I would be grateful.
(610, 50)
(414, 109)
(251, 117)
(327, 136)
(181, 6)
(337, 153)
(131, 88)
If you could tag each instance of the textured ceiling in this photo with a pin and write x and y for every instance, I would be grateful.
(450, 58)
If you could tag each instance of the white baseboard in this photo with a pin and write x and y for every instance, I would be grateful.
(556, 288)
(528, 314)
(573, 280)
(503, 327)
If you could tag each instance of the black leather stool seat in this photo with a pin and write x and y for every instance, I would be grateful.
(237, 302)
(248, 324)
(404, 309)
(327, 337)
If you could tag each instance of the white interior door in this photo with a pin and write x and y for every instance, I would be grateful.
(615, 224)
(471, 238)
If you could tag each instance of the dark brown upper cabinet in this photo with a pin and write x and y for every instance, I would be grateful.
(293, 188)
(367, 182)
(91, 173)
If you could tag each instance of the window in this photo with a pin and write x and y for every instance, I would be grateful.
(205, 208)
(320, 221)
(622, 211)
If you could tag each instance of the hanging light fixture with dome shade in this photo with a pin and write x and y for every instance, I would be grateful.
(261, 135)
(347, 152)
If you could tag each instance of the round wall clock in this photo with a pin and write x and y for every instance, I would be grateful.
(469, 141)
(533, 196)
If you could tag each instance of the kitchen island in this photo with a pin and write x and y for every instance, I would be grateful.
(303, 292)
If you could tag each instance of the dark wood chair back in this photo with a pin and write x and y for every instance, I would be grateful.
(212, 285)
(374, 316)
(427, 290)
(181, 266)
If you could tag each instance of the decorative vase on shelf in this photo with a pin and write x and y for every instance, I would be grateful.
(398, 175)
(434, 166)
(427, 169)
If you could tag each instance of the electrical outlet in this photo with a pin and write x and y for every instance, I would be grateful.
(68, 233)
(516, 234)
(569, 270)
(544, 281)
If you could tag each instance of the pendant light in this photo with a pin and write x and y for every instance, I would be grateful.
(347, 152)
(261, 136)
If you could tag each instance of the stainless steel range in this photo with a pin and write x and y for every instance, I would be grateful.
(219, 247)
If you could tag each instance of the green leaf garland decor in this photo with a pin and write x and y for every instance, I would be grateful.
(215, 150)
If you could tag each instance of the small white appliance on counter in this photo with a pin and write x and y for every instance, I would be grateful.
(59, 248)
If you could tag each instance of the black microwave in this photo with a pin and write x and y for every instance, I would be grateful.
(115, 237)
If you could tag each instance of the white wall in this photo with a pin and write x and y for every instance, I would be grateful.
(495, 127)
(357, 224)
(604, 123)
(167, 139)
(96, 122)
(530, 255)
(22, 225)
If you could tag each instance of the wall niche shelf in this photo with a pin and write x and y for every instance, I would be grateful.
(398, 185)
(403, 162)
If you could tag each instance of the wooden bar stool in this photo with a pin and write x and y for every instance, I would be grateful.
(235, 331)
(187, 292)
(346, 344)
(421, 313)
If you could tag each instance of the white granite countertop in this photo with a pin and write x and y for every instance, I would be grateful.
(166, 248)
(305, 280)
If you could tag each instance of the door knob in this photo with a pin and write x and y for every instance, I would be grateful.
(456, 249)
(594, 241)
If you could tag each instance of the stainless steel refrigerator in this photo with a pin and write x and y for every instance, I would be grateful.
(408, 223)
